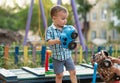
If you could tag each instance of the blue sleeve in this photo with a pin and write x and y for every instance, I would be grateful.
(48, 34)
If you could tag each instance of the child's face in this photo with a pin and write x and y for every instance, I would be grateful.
(60, 19)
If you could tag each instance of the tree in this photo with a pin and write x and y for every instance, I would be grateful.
(116, 9)
(83, 8)
(69, 19)
(22, 16)
(7, 19)
(10, 19)
(34, 21)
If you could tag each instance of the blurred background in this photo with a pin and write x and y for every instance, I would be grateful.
(98, 19)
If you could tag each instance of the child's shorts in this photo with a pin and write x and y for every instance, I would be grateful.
(59, 65)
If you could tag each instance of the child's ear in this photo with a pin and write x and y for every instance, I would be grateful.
(53, 17)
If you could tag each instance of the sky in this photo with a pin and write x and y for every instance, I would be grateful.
(11, 4)
(63, 1)
(22, 2)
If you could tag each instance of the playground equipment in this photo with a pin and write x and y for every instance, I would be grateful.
(48, 62)
(68, 36)
(45, 24)
(77, 23)
(29, 19)
(37, 75)
(95, 73)
(16, 54)
(104, 66)
(47, 55)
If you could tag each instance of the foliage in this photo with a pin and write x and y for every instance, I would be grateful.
(17, 20)
(70, 17)
(7, 19)
(10, 19)
(116, 9)
(83, 7)
(23, 16)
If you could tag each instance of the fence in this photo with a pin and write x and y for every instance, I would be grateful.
(34, 56)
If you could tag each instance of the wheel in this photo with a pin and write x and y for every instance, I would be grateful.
(117, 78)
(107, 63)
(74, 35)
(72, 45)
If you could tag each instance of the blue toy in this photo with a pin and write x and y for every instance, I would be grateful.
(68, 36)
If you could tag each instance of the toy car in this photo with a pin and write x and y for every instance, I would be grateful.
(68, 36)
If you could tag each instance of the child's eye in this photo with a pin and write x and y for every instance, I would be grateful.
(63, 18)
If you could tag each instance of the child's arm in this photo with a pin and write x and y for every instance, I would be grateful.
(54, 41)
(115, 60)
(116, 70)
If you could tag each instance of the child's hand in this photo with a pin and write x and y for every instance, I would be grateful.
(116, 70)
(115, 60)
(57, 41)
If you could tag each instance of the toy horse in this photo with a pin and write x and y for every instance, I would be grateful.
(105, 66)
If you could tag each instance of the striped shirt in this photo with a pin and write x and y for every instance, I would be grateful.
(58, 52)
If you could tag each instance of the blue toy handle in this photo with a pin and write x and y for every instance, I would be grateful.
(95, 70)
